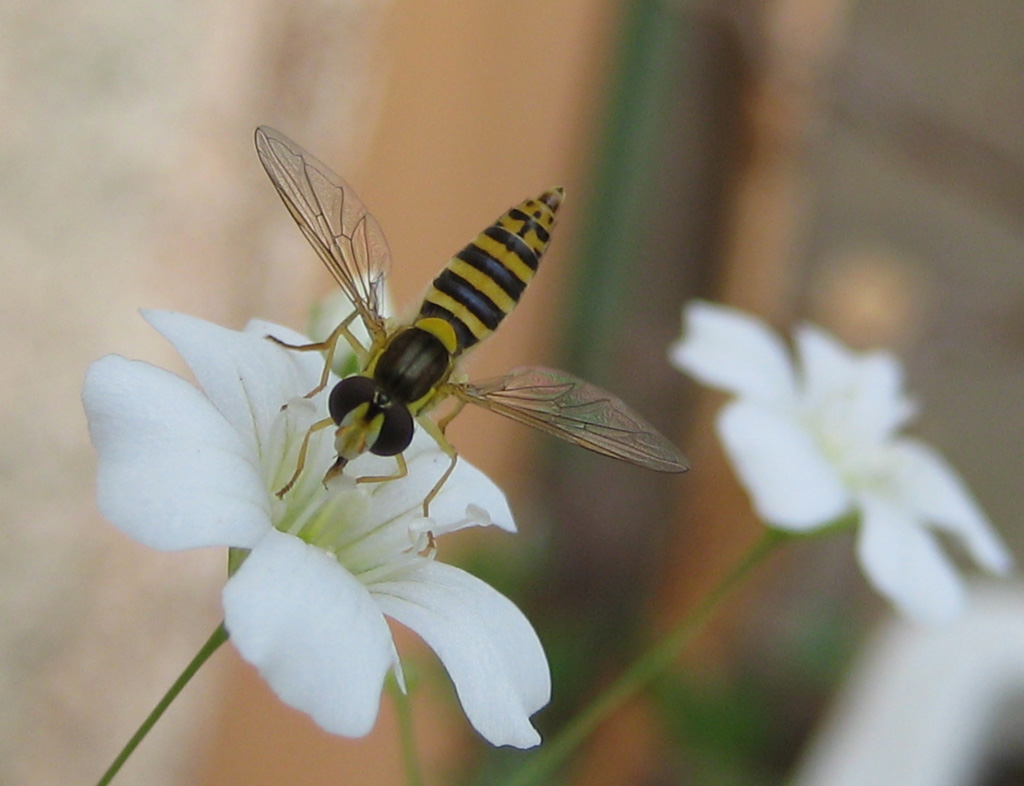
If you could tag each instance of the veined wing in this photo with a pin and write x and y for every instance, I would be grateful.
(334, 220)
(578, 412)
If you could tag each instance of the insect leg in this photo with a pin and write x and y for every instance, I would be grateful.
(357, 346)
(436, 430)
(320, 424)
(328, 346)
(442, 423)
(401, 472)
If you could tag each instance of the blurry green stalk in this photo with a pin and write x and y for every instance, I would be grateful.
(218, 637)
(653, 664)
(410, 759)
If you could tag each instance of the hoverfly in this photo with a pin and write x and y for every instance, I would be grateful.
(408, 367)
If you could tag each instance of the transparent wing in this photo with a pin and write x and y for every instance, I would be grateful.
(578, 412)
(334, 220)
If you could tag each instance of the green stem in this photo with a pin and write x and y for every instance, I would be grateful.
(219, 637)
(644, 671)
(413, 773)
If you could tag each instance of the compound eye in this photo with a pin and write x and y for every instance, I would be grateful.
(349, 394)
(396, 432)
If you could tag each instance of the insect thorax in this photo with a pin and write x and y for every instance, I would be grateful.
(412, 364)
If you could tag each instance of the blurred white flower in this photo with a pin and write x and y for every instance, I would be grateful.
(182, 468)
(817, 440)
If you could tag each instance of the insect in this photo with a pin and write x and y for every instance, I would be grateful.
(408, 368)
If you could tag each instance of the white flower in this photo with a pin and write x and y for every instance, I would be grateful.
(818, 440)
(180, 468)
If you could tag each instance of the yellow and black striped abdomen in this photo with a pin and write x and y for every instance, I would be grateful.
(484, 281)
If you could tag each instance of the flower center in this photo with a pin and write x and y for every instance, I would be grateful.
(351, 522)
(343, 521)
(861, 462)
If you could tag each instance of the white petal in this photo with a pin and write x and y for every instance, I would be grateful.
(261, 328)
(825, 363)
(468, 497)
(932, 489)
(863, 391)
(881, 400)
(904, 562)
(172, 472)
(792, 484)
(728, 349)
(486, 644)
(313, 632)
(247, 377)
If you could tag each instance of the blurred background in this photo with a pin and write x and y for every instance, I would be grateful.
(857, 164)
